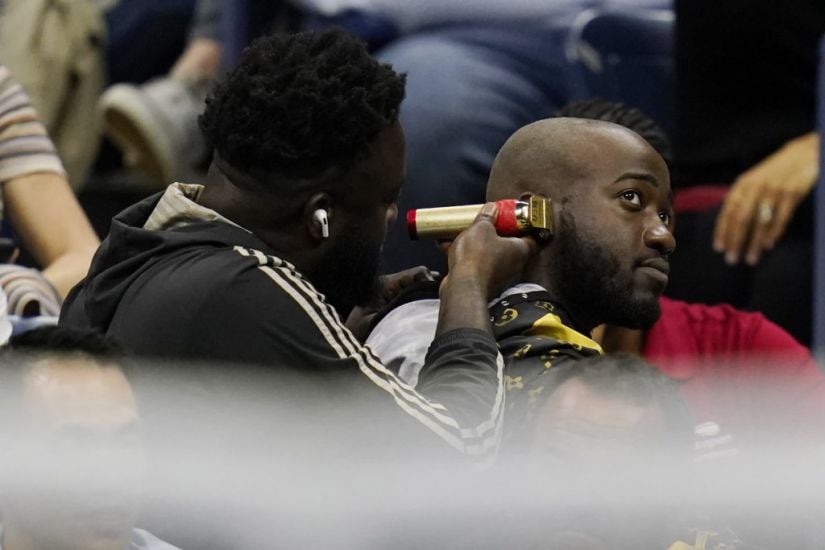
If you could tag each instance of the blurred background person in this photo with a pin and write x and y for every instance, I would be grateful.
(612, 407)
(745, 97)
(65, 52)
(72, 478)
(499, 67)
(39, 207)
(155, 123)
(55, 49)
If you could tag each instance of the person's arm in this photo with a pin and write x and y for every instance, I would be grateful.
(51, 225)
(477, 270)
(462, 367)
(37, 198)
(463, 370)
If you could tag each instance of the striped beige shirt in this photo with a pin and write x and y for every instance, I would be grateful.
(25, 147)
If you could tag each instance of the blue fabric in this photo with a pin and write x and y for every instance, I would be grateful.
(627, 56)
(241, 21)
(19, 324)
(373, 28)
(145, 37)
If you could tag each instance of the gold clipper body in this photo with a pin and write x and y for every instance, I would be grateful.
(533, 214)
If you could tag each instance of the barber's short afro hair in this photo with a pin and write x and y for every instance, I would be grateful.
(631, 118)
(300, 104)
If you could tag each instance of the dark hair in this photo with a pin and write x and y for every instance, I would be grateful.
(621, 375)
(25, 349)
(63, 340)
(618, 113)
(298, 105)
(631, 377)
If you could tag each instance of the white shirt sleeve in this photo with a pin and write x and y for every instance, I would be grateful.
(402, 338)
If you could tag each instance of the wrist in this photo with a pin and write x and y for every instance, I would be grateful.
(465, 283)
(463, 305)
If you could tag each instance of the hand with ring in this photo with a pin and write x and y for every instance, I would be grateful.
(762, 201)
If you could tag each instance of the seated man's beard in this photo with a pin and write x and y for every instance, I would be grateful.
(594, 286)
(348, 273)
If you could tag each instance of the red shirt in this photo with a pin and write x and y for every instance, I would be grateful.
(737, 369)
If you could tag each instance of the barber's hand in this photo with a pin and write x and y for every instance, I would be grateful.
(360, 318)
(763, 200)
(480, 255)
(393, 284)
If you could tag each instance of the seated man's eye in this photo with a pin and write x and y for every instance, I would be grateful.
(632, 197)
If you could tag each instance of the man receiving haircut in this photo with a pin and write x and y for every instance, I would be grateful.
(257, 265)
(608, 261)
(72, 478)
(738, 371)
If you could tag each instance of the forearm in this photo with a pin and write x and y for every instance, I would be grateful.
(461, 377)
(463, 371)
(463, 305)
(68, 270)
(51, 225)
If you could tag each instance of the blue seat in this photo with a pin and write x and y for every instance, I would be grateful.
(624, 56)
(374, 29)
(819, 238)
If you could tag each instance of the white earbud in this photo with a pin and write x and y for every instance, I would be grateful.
(320, 216)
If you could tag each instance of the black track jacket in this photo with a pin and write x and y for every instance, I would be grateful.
(203, 288)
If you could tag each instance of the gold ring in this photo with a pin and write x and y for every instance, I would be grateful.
(766, 211)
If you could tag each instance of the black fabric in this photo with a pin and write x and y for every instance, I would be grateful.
(745, 82)
(535, 362)
(183, 294)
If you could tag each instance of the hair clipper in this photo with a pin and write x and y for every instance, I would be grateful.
(532, 214)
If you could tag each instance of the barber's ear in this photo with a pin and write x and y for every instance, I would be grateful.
(318, 215)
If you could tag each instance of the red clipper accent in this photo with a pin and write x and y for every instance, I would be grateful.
(506, 222)
(411, 228)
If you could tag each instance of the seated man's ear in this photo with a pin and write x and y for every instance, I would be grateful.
(318, 216)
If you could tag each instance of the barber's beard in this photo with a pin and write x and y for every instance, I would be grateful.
(593, 284)
(348, 274)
